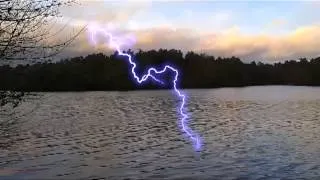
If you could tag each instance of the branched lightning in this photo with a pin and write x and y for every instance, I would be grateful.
(113, 42)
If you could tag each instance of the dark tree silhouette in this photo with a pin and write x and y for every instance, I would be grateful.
(101, 72)
(25, 33)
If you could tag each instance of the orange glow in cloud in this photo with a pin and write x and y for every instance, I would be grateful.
(231, 40)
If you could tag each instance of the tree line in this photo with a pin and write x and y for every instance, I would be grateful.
(102, 72)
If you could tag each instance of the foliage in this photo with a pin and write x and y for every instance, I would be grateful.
(26, 33)
(101, 72)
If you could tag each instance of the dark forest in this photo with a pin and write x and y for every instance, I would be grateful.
(97, 72)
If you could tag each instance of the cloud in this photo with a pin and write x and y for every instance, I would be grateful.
(222, 39)
(168, 38)
(276, 23)
(301, 42)
(116, 13)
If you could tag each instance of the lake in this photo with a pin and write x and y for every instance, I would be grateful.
(262, 132)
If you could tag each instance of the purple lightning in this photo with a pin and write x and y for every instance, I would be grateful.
(116, 43)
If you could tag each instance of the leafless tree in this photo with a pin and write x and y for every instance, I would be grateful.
(26, 29)
(26, 33)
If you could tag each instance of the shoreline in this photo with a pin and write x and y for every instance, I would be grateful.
(164, 89)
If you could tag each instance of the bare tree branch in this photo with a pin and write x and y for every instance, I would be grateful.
(25, 31)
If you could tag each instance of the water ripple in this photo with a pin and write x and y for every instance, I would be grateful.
(249, 133)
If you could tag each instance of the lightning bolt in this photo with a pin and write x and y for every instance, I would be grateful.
(115, 43)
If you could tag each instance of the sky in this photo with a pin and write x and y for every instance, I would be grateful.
(269, 31)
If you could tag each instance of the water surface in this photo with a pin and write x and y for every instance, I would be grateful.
(269, 132)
